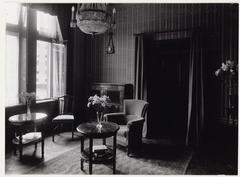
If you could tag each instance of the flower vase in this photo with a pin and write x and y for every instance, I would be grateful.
(28, 109)
(99, 119)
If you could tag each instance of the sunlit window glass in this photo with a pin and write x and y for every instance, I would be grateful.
(11, 69)
(43, 69)
(24, 16)
(59, 69)
(12, 10)
(46, 24)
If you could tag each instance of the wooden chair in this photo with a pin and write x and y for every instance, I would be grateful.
(131, 123)
(65, 104)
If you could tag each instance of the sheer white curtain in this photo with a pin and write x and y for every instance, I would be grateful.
(59, 56)
(48, 26)
(15, 52)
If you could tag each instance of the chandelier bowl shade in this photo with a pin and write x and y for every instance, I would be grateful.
(93, 18)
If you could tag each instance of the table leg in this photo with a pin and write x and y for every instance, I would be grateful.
(90, 154)
(114, 153)
(43, 138)
(20, 144)
(53, 131)
(14, 145)
(72, 130)
(82, 164)
(42, 147)
(35, 148)
(82, 149)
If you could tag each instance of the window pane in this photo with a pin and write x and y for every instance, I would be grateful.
(24, 16)
(59, 69)
(12, 12)
(11, 69)
(46, 24)
(43, 70)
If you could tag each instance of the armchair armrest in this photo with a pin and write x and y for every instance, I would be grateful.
(135, 122)
(115, 114)
(135, 126)
(134, 134)
(117, 117)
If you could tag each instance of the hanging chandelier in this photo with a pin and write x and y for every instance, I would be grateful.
(93, 18)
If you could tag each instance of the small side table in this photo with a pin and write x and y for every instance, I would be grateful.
(19, 122)
(89, 130)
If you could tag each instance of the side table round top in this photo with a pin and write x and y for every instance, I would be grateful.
(90, 129)
(20, 119)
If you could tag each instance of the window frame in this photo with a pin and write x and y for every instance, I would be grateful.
(17, 29)
(31, 57)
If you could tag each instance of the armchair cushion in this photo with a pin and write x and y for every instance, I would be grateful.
(123, 131)
(138, 121)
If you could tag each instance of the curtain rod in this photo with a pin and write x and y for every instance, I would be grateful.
(167, 31)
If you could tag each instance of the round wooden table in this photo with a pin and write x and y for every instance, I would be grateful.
(108, 153)
(20, 121)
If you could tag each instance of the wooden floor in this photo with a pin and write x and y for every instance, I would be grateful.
(214, 158)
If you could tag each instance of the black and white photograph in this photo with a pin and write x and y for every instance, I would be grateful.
(120, 88)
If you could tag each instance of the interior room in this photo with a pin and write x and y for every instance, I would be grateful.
(121, 88)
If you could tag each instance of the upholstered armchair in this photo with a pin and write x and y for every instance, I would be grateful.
(131, 123)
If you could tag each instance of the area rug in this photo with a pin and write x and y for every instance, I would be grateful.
(69, 163)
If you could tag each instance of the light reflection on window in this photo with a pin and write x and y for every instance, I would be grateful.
(46, 24)
(12, 10)
(43, 69)
(11, 69)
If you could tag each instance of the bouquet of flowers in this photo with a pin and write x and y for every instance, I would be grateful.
(227, 68)
(229, 73)
(28, 97)
(99, 104)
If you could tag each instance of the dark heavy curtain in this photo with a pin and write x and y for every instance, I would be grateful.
(195, 123)
(140, 69)
(140, 82)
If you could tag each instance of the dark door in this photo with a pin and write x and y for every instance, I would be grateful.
(167, 81)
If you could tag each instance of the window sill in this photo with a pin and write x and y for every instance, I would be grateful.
(12, 106)
(37, 101)
(46, 100)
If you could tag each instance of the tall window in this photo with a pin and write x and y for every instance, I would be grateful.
(11, 68)
(15, 19)
(50, 56)
(43, 69)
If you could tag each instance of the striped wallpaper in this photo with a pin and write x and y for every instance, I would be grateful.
(220, 20)
(141, 18)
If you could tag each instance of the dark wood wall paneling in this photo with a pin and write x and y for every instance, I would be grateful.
(219, 20)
